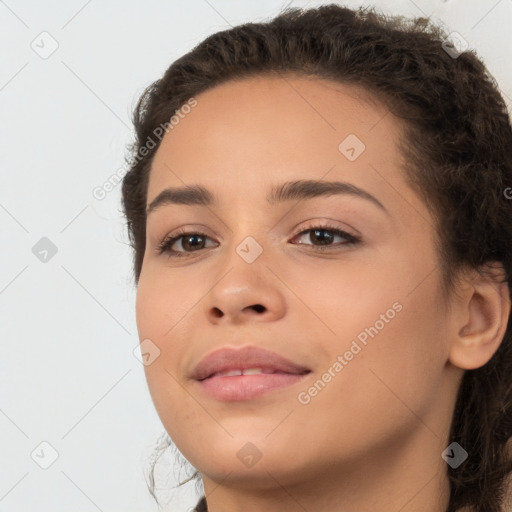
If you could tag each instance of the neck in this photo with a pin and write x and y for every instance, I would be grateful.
(409, 476)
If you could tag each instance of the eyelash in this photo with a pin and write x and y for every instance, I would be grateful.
(165, 245)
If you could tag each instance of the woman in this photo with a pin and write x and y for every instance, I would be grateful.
(320, 212)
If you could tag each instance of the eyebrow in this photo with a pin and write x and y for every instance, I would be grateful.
(303, 189)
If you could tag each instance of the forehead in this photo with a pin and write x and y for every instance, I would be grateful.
(244, 135)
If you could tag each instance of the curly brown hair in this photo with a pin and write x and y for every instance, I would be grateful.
(458, 144)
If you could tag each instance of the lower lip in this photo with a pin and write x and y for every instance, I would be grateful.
(246, 387)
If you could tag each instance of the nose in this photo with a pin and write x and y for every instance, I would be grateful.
(253, 309)
(245, 293)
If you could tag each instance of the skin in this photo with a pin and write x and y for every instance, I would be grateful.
(372, 438)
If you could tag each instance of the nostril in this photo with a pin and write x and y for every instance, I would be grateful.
(217, 312)
(259, 308)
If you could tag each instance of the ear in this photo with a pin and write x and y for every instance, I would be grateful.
(480, 317)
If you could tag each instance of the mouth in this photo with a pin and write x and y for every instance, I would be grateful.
(250, 371)
(239, 385)
(247, 373)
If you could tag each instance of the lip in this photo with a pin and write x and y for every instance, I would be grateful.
(245, 387)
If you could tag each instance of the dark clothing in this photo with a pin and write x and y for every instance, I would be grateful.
(201, 505)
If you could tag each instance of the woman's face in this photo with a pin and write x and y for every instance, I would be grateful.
(366, 318)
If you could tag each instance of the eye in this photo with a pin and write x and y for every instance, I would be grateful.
(194, 241)
(324, 236)
(189, 240)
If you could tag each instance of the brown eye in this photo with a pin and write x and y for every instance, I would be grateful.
(323, 236)
(190, 242)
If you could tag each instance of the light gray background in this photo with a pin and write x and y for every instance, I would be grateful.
(68, 373)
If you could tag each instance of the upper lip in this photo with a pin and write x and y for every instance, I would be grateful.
(225, 359)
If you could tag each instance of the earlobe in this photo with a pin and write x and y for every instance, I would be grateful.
(480, 319)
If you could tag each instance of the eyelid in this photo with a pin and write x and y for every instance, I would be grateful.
(327, 223)
(164, 246)
(352, 239)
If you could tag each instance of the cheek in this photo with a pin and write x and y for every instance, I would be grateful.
(389, 382)
(393, 348)
(162, 304)
(157, 317)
